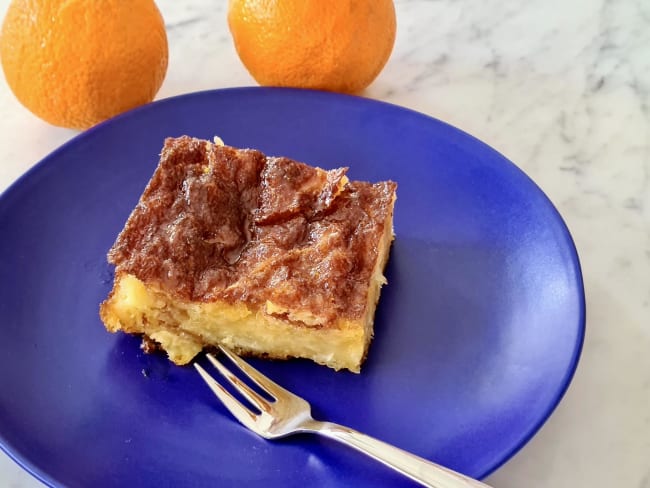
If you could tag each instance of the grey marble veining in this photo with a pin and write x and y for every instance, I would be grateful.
(563, 90)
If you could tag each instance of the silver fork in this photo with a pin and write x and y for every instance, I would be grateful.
(290, 414)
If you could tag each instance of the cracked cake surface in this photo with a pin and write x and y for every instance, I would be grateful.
(227, 226)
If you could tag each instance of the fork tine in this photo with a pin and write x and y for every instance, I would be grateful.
(270, 387)
(241, 413)
(246, 391)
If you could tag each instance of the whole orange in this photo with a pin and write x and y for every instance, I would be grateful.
(75, 63)
(335, 45)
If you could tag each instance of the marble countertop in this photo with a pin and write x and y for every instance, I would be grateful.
(563, 90)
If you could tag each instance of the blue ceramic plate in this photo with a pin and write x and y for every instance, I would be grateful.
(477, 334)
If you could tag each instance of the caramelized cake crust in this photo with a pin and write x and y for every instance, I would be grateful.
(229, 246)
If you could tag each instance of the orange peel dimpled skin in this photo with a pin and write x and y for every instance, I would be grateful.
(77, 63)
(337, 46)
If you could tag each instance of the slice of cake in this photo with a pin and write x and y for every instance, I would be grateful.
(268, 256)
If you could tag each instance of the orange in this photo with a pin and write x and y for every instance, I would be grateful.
(337, 45)
(75, 63)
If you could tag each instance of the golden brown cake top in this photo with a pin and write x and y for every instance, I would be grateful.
(219, 223)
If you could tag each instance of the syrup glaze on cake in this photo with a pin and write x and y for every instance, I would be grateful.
(218, 223)
(267, 256)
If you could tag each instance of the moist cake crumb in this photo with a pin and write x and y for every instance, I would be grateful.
(266, 255)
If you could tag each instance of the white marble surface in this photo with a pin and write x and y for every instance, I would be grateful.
(562, 89)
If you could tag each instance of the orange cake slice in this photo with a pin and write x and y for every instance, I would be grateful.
(268, 256)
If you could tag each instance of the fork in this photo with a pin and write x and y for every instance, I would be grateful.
(289, 414)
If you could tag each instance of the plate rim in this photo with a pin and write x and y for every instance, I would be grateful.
(570, 372)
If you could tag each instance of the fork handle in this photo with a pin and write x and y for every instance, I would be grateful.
(418, 469)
